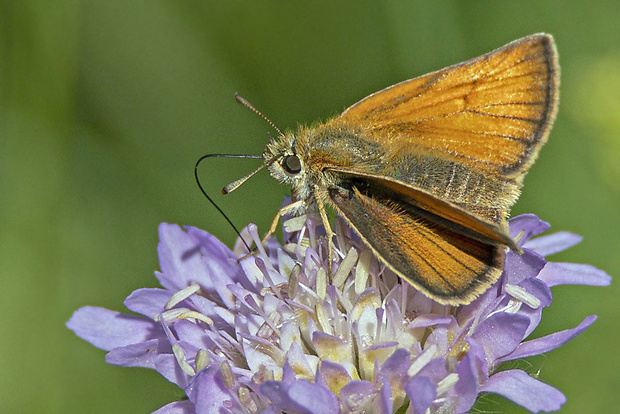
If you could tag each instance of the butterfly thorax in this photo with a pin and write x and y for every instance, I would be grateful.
(321, 150)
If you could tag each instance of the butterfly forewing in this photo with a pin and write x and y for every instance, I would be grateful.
(492, 112)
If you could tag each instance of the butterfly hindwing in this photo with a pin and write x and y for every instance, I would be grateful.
(422, 248)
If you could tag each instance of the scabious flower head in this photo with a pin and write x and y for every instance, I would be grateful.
(279, 332)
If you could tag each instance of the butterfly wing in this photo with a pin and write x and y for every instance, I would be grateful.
(492, 112)
(423, 249)
(426, 170)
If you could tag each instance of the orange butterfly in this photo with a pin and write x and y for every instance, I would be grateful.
(426, 171)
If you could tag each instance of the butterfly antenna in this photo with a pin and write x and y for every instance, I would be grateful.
(204, 192)
(248, 105)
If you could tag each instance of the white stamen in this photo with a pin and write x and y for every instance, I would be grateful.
(523, 295)
(311, 227)
(227, 375)
(512, 307)
(302, 236)
(447, 383)
(190, 314)
(309, 291)
(181, 295)
(170, 315)
(304, 243)
(422, 360)
(321, 283)
(202, 359)
(291, 248)
(344, 298)
(293, 282)
(518, 237)
(339, 224)
(345, 267)
(323, 320)
(295, 224)
(361, 271)
(182, 361)
(247, 400)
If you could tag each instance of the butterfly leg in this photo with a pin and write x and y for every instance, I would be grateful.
(283, 211)
(329, 233)
(274, 224)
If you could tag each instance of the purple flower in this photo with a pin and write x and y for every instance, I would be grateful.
(275, 332)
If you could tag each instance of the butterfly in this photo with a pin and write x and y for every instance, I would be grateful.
(426, 171)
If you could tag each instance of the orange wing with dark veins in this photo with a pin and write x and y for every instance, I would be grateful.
(493, 112)
(421, 248)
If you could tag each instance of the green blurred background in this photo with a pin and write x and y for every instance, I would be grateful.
(106, 105)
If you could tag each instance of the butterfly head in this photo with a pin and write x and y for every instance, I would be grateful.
(288, 165)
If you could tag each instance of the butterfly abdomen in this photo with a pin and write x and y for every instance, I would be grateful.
(453, 181)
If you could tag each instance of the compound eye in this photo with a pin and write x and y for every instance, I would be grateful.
(292, 164)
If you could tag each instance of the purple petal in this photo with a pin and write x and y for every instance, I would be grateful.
(209, 244)
(554, 274)
(177, 407)
(107, 329)
(313, 398)
(421, 392)
(542, 292)
(486, 302)
(301, 396)
(384, 402)
(524, 390)
(467, 385)
(194, 256)
(435, 370)
(208, 392)
(218, 256)
(439, 337)
(529, 224)
(500, 334)
(477, 352)
(220, 274)
(356, 390)
(191, 333)
(276, 391)
(549, 342)
(519, 267)
(142, 354)
(395, 367)
(168, 367)
(288, 374)
(179, 256)
(148, 301)
(207, 307)
(539, 289)
(553, 243)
